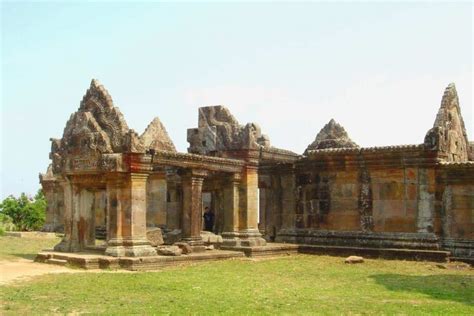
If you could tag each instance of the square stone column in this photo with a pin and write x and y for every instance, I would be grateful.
(174, 206)
(156, 199)
(192, 209)
(69, 242)
(54, 197)
(126, 207)
(230, 234)
(79, 228)
(249, 234)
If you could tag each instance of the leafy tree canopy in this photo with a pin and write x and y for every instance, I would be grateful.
(25, 212)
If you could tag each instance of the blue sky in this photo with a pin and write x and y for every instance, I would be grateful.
(379, 69)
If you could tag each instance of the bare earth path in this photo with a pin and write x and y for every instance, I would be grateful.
(23, 269)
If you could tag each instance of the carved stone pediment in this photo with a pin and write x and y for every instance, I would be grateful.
(218, 130)
(83, 135)
(99, 102)
(448, 135)
(96, 128)
(156, 137)
(332, 135)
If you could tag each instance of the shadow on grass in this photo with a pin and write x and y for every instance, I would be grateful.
(29, 256)
(457, 288)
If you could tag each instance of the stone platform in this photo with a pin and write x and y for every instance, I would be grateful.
(93, 260)
(270, 250)
(33, 234)
(385, 253)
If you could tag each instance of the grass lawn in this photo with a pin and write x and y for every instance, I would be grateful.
(14, 248)
(299, 284)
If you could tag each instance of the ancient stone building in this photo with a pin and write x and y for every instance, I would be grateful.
(105, 179)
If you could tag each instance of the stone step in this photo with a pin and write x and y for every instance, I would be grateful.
(386, 253)
(59, 262)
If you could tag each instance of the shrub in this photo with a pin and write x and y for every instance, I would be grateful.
(25, 213)
(6, 224)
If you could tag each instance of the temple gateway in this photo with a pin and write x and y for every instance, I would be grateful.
(107, 182)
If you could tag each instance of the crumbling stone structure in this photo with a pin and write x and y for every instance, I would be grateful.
(106, 179)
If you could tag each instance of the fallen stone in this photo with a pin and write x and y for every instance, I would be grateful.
(169, 251)
(210, 247)
(185, 247)
(172, 237)
(211, 238)
(456, 265)
(154, 236)
(354, 259)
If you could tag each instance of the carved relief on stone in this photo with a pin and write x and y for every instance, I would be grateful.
(83, 135)
(111, 162)
(132, 143)
(448, 135)
(96, 128)
(365, 200)
(218, 130)
(332, 135)
(98, 102)
(48, 176)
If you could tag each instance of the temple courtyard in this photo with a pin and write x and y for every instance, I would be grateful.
(296, 284)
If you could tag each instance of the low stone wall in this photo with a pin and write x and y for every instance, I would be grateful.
(425, 241)
(31, 234)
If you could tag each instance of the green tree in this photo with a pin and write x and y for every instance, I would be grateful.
(26, 213)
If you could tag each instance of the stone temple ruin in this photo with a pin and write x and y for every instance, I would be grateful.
(106, 181)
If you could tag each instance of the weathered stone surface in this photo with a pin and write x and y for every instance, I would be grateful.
(172, 236)
(185, 247)
(354, 259)
(210, 238)
(210, 247)
(448, 135)
(218, 130)
(332, 135)
(169, 251)
(154, 236)
(156, 137)
(471, 151)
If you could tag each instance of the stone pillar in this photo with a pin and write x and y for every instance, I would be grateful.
(79, 228)
(156, 199)
(52, 194)
(192, 209)
(248, 216)
(288, 199)
(174, 203)
(126, 207)
(231, 211)
(217, 205)
(69, 243)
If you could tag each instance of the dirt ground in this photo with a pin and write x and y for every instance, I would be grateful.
(23, 269)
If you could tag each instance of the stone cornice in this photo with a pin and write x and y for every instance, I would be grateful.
(184, 160)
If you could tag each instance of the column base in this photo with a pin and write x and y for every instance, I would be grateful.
(129, 248)
(68, 246)
(196, 243)
(243, 238)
